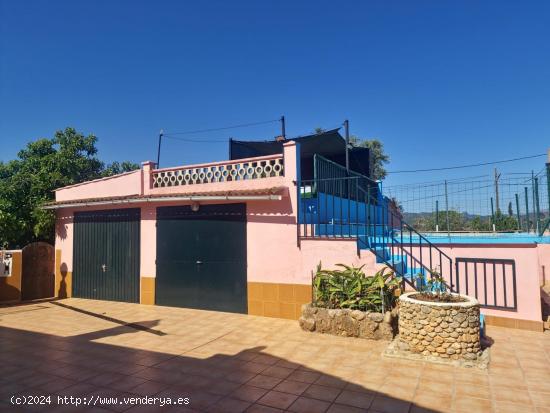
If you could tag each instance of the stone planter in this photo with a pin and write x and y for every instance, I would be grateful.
(348, 323)
(439, 330)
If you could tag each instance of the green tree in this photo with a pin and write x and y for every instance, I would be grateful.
(480, 224)
(457, 221)
(505, 222)
(41, 167)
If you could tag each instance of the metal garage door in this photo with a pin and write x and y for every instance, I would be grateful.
(201, 257)
(106, 255)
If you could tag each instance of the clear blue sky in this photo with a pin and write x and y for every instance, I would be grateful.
(439, 82)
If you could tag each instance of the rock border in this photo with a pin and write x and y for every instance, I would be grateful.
(481, 362)
(349, 323)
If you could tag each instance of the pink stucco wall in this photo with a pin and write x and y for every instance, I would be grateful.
(119, 185)
(271, 227)
(529, 259)
(273, 254)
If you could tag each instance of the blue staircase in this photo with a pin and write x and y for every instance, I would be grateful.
(354, 207)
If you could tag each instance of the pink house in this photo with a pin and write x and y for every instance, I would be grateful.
(244, 235)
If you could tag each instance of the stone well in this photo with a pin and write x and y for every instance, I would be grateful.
(348, 323)
(442, 330)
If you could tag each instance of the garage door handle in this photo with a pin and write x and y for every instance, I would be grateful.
(198, 262)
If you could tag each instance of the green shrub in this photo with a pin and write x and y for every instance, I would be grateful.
(351, 288)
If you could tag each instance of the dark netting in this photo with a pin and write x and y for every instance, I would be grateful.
(329, 144)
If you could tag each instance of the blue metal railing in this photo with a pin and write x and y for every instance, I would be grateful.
(324, 168)
(342, 207)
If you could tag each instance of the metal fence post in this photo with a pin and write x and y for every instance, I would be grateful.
(518, 213)
(447, 210)
(437, 216)
(537, 205)
(527, 208)
(548, 179)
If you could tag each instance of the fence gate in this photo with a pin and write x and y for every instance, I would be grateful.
(38, 277)
(491, 281)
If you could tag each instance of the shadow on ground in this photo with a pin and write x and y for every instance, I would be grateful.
(43, 364)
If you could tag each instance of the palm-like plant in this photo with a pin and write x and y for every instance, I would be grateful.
(349, 287)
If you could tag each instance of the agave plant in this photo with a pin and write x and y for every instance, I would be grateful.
(349, 287)
(434, 285)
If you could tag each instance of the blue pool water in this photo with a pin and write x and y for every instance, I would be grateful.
(472, 238)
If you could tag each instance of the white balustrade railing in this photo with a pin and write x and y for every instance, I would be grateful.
(237, 170)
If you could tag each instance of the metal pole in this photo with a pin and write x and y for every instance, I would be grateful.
(497, 176)
(158, 152)
(533, 197)
(537, 205)
(283, 127)
(548, 179)
(527, 208)
(437, 216)
(493, 215)
(518, 213)
(447, 210)
(346, 128)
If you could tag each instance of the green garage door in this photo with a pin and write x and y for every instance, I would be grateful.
(106, 255)
(201, 257)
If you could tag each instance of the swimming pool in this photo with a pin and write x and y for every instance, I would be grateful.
(486, 238)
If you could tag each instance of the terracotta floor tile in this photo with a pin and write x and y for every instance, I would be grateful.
(212, 358)
(505, 407)
(517, 396)
(389, 405)
(433, 401)
(279, 372)
(398, 391)
(292, 387)
(258, 408)
(471, 378)
(540, 398)
(265, 382)
(470, 404)
(325, 393)
(342, 408)
(149, 388)
(307, 405)
(254, 367)
(468, 390)
(277, 399)
(105, 379)
(56, 385)
(304, 376)
(248, 393)
(127, 383)
(229, 405)
(326, 380)
(240, 376)
(355, 399)
(507, 382)
(223, 387)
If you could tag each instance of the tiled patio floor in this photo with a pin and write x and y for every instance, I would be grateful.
(233, 363)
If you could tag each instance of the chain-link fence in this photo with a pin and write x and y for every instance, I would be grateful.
(499, 202)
